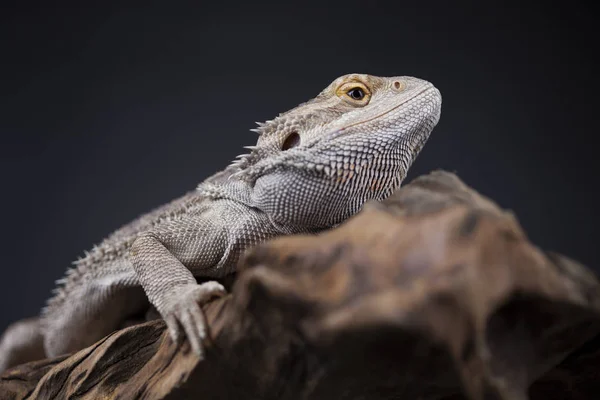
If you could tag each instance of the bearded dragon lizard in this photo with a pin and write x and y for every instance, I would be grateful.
(311, 168)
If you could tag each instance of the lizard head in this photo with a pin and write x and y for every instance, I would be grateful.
(318, 163)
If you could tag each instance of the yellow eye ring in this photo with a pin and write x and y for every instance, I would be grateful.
(355, 93)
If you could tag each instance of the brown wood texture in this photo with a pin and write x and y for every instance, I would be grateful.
(435, 293)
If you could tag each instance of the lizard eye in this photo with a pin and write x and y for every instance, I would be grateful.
(354, 92)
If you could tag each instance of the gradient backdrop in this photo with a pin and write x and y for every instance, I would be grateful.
(108, 112)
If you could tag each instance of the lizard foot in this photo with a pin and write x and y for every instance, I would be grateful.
(182, 312)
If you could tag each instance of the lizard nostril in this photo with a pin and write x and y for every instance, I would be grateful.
(292, 140)
(399, 85)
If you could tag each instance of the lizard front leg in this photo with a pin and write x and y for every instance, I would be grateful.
(166, 259)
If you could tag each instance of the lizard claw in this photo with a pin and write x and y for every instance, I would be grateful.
(183, 312)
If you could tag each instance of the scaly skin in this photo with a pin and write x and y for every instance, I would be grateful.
(312, 167)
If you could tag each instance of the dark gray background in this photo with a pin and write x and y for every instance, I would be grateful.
(108, 112)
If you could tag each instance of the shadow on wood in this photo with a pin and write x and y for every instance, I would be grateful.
(434, 293)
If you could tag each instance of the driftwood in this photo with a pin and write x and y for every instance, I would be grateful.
(435, 293)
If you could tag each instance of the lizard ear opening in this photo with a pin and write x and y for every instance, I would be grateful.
(291, 141)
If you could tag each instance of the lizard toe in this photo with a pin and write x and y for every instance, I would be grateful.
(195, 329)
(184, 313)
(209, 290)
(174, 327)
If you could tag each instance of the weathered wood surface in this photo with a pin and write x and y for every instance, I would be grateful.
(433, 294)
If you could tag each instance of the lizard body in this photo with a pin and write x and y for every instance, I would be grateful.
(311, 168)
